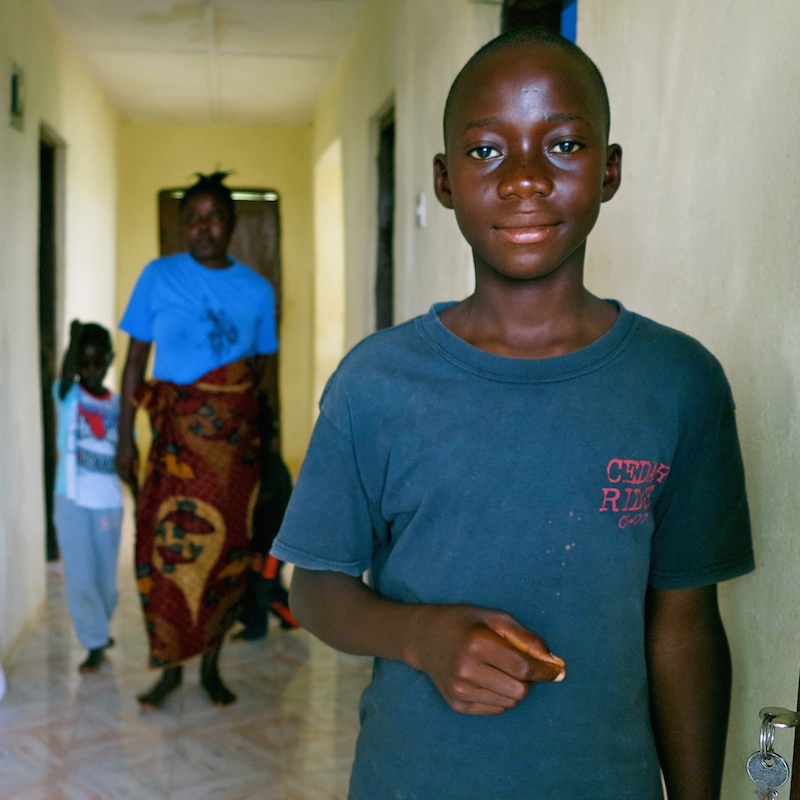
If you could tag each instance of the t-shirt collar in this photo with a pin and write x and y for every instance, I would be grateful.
(504, 368)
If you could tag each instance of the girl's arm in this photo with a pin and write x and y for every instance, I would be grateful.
(689, 668)
(482, 661)
(69, 366)
(127, 461)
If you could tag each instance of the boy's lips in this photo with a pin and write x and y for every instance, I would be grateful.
(526, 234)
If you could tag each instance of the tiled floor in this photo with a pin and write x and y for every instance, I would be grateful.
(290, 736)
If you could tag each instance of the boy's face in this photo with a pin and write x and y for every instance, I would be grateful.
(92, 367)
(527, 163)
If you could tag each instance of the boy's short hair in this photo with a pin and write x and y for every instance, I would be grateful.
(210, 185)
(531, 35)
(94, 335)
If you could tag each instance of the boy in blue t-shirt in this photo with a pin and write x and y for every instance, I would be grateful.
(531, 468)
(88, 495)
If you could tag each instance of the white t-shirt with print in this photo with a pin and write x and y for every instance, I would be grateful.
(88, 432)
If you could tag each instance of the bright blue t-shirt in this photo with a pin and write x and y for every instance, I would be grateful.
(200, 318)
(554, 489)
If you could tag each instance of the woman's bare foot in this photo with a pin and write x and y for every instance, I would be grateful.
(169, 681)
(219, 693)
(211, 681)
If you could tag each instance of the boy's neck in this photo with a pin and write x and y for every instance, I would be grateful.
(530, 320)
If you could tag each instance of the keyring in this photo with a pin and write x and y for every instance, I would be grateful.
(766, 738)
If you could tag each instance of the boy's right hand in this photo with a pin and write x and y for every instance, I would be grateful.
(482, 661)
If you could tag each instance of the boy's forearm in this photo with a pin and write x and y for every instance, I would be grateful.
(690, 681)
(69, 366)
(346, 614)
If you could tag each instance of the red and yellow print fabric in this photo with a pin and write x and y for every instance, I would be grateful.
(194, 510)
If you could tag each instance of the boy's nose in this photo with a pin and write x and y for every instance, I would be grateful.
(525, 178)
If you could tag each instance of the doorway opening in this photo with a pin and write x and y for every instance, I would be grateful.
(384, 272)
(256, 242)
(50, 173)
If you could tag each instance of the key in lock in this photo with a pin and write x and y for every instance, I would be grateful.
(768, 774)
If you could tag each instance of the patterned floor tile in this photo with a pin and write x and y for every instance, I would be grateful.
(63, 736)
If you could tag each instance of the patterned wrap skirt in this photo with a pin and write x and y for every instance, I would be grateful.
(195, 509)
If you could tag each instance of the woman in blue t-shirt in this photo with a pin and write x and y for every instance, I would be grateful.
(212, 320)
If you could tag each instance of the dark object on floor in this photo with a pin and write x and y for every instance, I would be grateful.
(271, 594)
(265, 592)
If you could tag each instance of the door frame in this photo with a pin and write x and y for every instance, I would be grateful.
(54, 341)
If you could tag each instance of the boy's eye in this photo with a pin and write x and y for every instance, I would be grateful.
(483, 152)
(566, 148)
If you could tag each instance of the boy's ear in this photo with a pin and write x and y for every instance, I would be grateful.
(441, 180)
(613, 172)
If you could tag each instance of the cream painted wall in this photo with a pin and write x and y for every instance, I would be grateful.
(704, 235)
(60, 93)
(152, 157)
(407, 52)
(329, 274)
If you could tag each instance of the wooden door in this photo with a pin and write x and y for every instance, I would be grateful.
(255, 242)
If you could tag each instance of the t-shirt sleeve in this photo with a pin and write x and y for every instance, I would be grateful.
(68, 398)
(702, 534)
(267, 334)
(329, 522)
(137, 321)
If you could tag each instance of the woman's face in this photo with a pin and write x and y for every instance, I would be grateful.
(209, 228)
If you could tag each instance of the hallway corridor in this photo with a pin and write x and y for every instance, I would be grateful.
(290, 736)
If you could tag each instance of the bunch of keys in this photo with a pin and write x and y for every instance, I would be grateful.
(768, 770)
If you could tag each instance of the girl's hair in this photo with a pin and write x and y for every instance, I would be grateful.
(210, 185)
(96, 336)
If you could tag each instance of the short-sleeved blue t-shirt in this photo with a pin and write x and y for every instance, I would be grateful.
(200, 318)
(554, 489)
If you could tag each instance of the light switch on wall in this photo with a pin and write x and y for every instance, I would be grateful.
(16, 104)
(422, 210)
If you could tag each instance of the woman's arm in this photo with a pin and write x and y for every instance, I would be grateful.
(127, 461)
(466, 651)
(689, 668)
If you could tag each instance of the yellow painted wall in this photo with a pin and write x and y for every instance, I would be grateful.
(60, 93)
(704, 235)
(152, 157)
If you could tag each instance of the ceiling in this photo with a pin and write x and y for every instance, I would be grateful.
(211, 61)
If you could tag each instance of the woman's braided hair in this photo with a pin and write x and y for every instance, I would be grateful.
(210, 185)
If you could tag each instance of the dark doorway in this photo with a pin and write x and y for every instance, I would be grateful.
(384, 273)
(48, 364)
(256, 242)
(558, 16)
